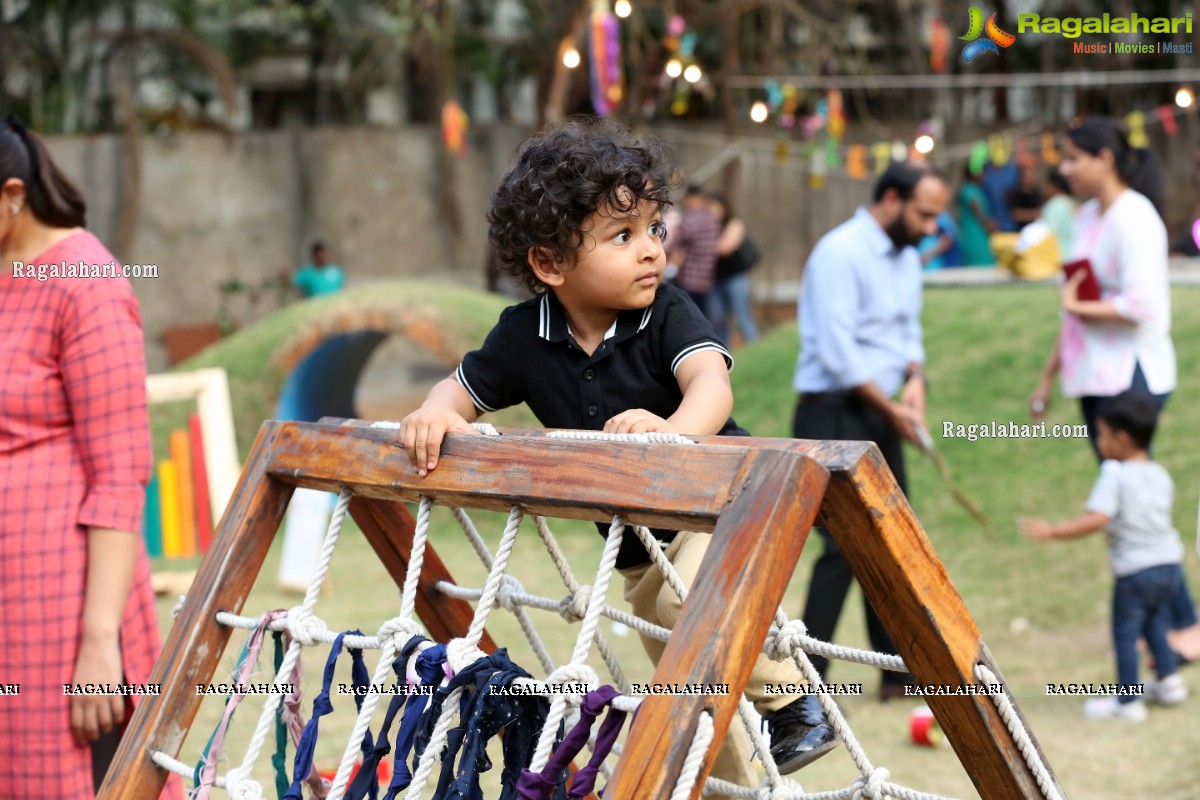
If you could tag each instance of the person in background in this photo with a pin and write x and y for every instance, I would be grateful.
(1058, 212)
(1132, 501)
(1123, 340)
(693, 247)
(940, 250)
(861, 344)
(75, 458)
(320, 277)
(975, 222)
(1025, 199)
(731, 292)
(997, 182)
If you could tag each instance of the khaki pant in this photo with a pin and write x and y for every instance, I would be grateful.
(653, 600)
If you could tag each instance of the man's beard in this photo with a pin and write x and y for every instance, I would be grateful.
(900, 235)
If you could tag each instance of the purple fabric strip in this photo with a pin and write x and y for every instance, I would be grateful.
(540, 786)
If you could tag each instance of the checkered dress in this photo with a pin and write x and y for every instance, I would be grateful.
(74, 452)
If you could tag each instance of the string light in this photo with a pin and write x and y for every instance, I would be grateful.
(571, 58)
(622, 8)
(1184, 97)
(758, 112)
(692, 74)
(674, 68)
(924, 144)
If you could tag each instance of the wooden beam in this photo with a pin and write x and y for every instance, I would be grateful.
(193, 648)
(554, 477)
(722, 625)
(902, 577)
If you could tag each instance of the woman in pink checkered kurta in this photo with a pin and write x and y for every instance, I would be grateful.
(75, 456)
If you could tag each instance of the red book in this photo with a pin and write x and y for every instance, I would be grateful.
(1089, 289)
(200, 479)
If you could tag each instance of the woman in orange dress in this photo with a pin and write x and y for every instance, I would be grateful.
(75, 456)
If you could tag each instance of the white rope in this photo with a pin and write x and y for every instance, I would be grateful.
(1020, 736)
(470, 642)
(695, 757)
(586, 632)
(791, 636)
(652, 437)
(303, 627)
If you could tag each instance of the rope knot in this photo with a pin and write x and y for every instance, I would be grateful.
(487, 429)
(401, 629)
(178, 606)
(782, 645)
(574, 673)
(872, 787)
(304, 626)
(574, 606)
(239, 786)
(461, 654)
(509, 586)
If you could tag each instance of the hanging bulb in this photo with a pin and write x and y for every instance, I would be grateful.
(571, 58)
(758, 112)
(622, 8)
(674, 68)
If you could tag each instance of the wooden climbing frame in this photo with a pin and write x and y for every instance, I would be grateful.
(759, 497)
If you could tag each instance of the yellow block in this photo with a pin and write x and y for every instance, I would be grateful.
(168, 491)
(181, 457)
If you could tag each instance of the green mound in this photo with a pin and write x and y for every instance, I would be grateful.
(448, 319)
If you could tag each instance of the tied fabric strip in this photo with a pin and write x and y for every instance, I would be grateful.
(361, 785)
(205, 776)
(289, 722)
(485, 715)
(542, 785)
(322, 706)
(430, 668)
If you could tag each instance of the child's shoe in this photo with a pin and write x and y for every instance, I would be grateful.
(1110, 708)
(800, 734)
(1169, 691)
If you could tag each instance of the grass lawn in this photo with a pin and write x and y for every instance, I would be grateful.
(1042, 608)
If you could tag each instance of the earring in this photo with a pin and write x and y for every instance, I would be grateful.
(15, 208)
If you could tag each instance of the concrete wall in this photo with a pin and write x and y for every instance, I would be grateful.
(215, 207)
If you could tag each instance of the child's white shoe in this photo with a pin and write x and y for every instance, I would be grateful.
(1169, 691)
(1109, 708)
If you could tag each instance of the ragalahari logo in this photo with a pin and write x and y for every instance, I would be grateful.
(996, 38)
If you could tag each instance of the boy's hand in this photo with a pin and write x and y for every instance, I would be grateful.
(422, 431)
(638, 420)
(1037, 529)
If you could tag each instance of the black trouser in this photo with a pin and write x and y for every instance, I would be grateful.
(846, 417)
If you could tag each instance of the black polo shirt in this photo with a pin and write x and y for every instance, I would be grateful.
(531, 357)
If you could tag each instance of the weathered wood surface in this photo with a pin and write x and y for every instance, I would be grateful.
(193, 648)
(760, 494)
(724, 620)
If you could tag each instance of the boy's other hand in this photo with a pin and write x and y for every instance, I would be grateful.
(638, 420)
(1037, 529)
(422, 432)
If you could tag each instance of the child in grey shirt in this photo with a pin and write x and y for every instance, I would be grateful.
(1132, 501)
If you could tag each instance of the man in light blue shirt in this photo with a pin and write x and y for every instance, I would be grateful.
(861, 345)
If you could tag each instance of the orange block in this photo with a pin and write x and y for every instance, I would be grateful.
(181, 457)
(169, 503)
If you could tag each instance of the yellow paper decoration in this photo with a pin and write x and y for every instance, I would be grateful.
(882, 152)
(1000, 146)
(816, 169)
(1136, 121)
(781, 151)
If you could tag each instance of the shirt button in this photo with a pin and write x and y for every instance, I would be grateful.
(589, 374)
(592, 411)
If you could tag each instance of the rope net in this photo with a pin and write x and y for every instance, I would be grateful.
(438, 685)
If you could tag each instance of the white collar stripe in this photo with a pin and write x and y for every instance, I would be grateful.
(700, 347)
(462, 380)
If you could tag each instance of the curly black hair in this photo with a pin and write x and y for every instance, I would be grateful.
(562, 176)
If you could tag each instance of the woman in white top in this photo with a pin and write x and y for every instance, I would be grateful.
(1122, 340)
